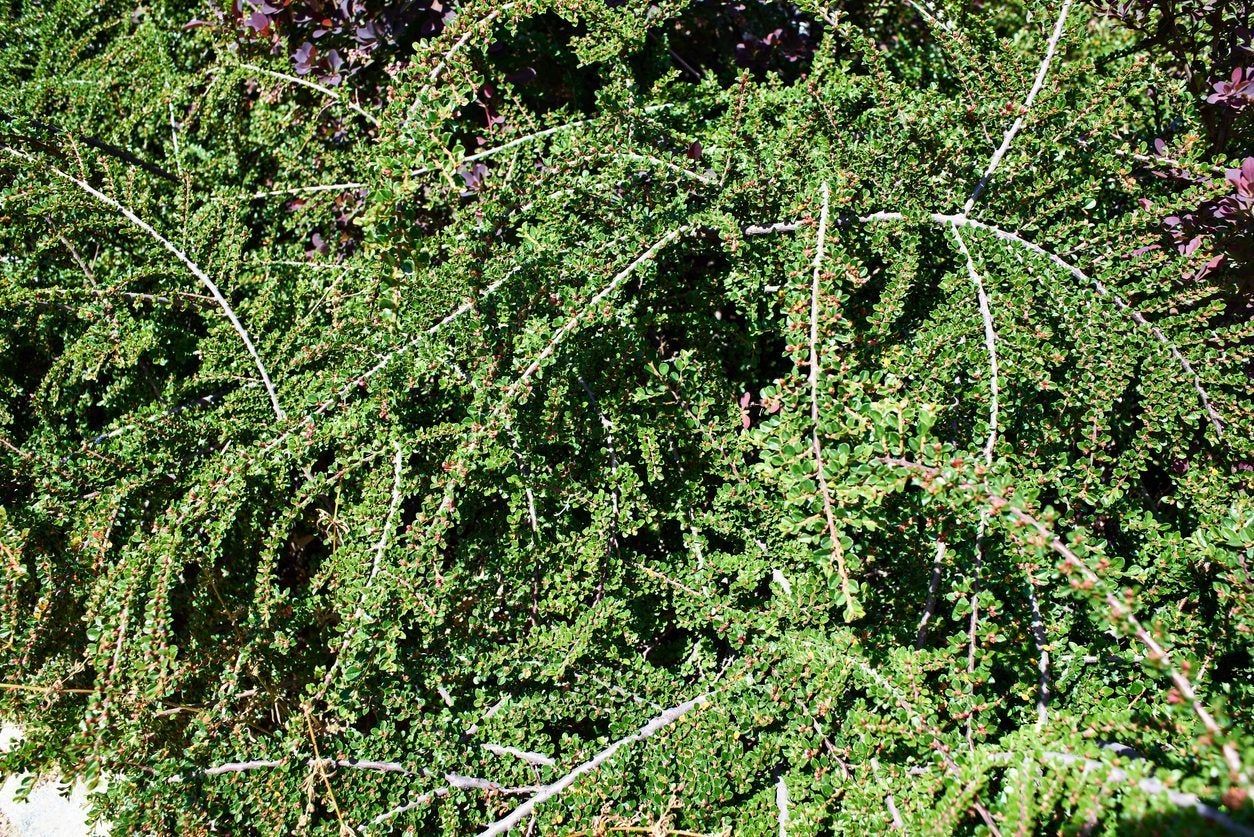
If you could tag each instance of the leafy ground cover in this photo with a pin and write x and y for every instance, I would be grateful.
(588, 417)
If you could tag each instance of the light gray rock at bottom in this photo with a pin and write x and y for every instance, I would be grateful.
(47, 813)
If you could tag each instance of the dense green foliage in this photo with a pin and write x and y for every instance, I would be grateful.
(374, 455)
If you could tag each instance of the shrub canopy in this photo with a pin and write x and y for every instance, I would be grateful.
(596, 416)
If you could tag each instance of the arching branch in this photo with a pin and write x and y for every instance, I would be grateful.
(182, 257)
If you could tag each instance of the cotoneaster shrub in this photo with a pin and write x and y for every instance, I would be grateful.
(832, 441)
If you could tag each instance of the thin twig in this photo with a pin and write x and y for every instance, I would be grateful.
(1038, 628)
(608, 427)
(618, 690)
(778, 227)
(358, 380)
(475, 783)
(513, 390)
(242, 766)
(916, 718)
(973, 623)
(82, 265)
(1119, 609)
(175, 297)
(649, 571)
(174, 138)
(1154, 160)
(1156, 787)
(381, 547)
(506, 146)
(371, 766)
(552, 789)
(444, 509)
(204, 400)
(379, 550)
(889, 802)
(933, 588)
(1136, 316)
(98, 144)
(651, 830)
(265, 764)
(990, 345)
(417, 802)
(535, 759)
(781, 804)
(658, 161)
(525, 138)
(1041, 71)
(461, 42)
(1157, 653)
(317, 765)
(837, 550)
(679, 59)
(1041, 640)
(182, 257)
(931, 15)
(313, 85)
(45, 690)
(303, 190)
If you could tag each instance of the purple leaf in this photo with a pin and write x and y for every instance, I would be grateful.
(304, 57)
(473, 176)
(257, 22)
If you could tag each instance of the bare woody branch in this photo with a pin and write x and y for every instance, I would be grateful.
(313, 85)
(990, 344)
(1119, 609)
(1136, 316)
(357, 380)
(347, 764)
(610, 287)
(833, 533)
(192, 267)
(547, 792)
(1037, 625)
(1041, 72)
(1156, 787)
(933, 589)
(535, 759)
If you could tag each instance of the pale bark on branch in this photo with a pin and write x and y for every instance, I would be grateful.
(547, 792)
(1041, 72)
(191, 266)
(1120, 611)
(1136, 316)
(313, 85)
(359, 380)
(825, 493)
